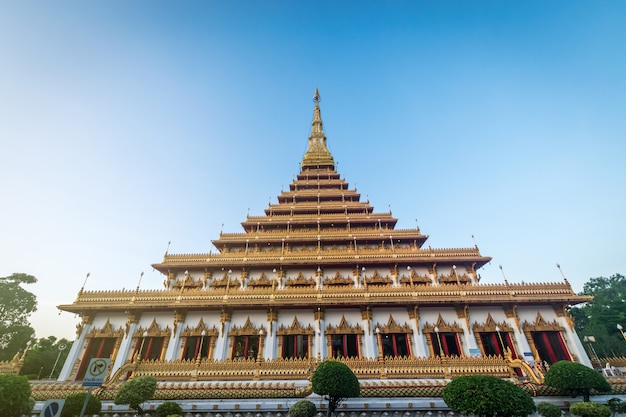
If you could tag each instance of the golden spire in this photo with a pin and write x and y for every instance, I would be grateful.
(317, 155)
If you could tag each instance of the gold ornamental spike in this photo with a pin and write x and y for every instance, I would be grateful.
(317, 154)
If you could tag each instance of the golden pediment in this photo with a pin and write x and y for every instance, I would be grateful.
(393, 327)
(294, 329)
(197, 331)
(106, 331)
(490, 326)
(153, 331)
(248, 329)
(541, 325)
(344, 328)
(442, 327)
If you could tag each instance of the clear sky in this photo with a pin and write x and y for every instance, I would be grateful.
(125, 125)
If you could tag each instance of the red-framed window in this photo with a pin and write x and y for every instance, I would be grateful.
(446, 344)
(295, 346)
(99, 347)
(551, 346)
(395, 344)
(196, 346)
(345, 346)
(149, 347)
(245, 347)
(494, 343)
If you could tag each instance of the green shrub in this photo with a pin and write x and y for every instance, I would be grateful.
(15, 396)
(168, 408)
(485, 395)
(334, 381)
(576, 379)
(74, 404)
(590, 409)
(548, 410)
(136, 391)
(303, 408)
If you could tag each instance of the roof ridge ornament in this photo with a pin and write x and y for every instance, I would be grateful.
(317, 154)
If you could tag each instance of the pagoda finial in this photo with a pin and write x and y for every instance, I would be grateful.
(317, 155)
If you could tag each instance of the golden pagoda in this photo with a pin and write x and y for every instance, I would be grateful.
(321, 275)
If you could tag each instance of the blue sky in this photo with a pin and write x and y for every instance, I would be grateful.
(125, 125)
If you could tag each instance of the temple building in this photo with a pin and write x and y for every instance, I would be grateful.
(322, 274)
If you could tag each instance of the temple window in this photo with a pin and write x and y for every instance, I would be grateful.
(394, 340)
(195, 347)
(345, 346)
(550, 346)
(100, 343)
(446, 344)
(344, 340)
(245, 347)
(395, 344)
(150, 343)
(100, 347)
(494, 338)
(295, 346)
(198, 342)
(148, 348)
(494, 343)
(246, 341)
(546, 340)
(443, 339)
(295, 341)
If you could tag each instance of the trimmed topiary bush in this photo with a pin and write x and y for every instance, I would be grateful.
(74, 404)
(548, 410)
(168, 408)
(590, 409)
(136, 391)
(335, 381)
(303, 408)
(576, 379)
(487, 396)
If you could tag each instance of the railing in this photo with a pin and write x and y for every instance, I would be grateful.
(302, 369)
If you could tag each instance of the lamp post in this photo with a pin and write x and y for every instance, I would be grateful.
(260, 353)
(143, 340)
(500, 338)
(379, 343)
(439, 341)
(61, 348)
(589, 340)
(621, 330)
(201, 343)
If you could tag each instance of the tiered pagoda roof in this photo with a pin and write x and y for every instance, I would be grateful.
(320, 234)
(321, 220)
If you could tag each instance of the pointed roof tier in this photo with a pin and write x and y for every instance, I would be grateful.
(321, 220)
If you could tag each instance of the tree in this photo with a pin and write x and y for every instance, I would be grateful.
(15, 399)
(335, 381)
(303, 408)
(136, 391)
(576, 379)
(548, 410)
(485, 395)
(590, 409)
(168, 408)
(599, 317)
(16, 305)
(617, 406)
(74, 404)
(42, 357)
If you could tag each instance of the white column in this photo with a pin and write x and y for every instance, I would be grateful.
(74, 353)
